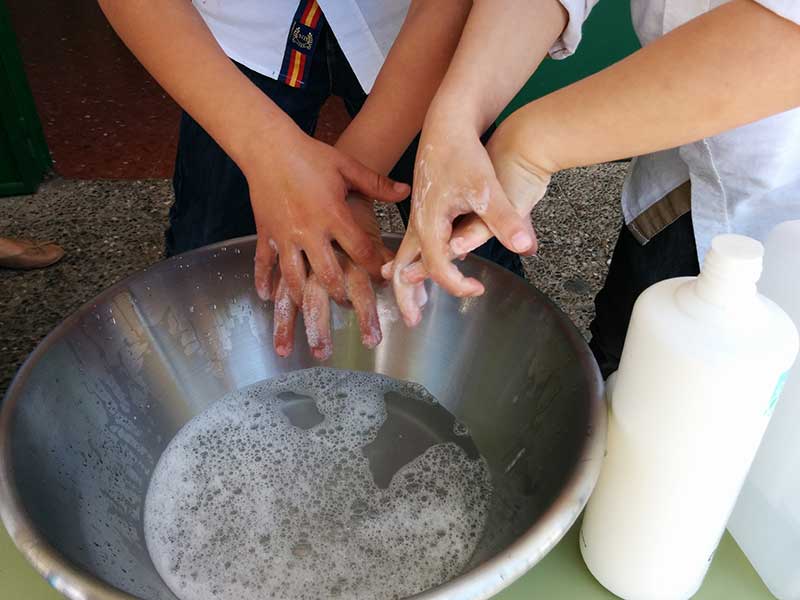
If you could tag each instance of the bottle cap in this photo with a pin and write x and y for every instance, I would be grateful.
(736, 257)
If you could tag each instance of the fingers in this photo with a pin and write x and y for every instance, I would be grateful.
(265, 260)
(362, 297)
(363, 249)
(415, 273)
(360, 236)
(327, 271)
(317, 317)
(470, 234)
(409, 298)
(371, 184)
(515, 232)
(387, 270)
(387, 256)
(495, 217)
(293, 271)
(316, 313)
(437, 258)
(285, 317)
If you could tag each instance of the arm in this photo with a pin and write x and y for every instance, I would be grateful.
(385, 126)
(708, 76)
(454, 173)
(393, 114)
(715, 73)
(490, 65)
(173, 43)
(297, 186)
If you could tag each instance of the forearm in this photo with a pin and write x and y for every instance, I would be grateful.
(173, 43)
(395, 109)
(502, 45)
(734, 65)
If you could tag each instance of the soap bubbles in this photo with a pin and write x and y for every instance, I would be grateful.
(267, 494)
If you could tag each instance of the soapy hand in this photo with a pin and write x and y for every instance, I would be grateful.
(315, 304)
(454, 178)
(300, 209)
(523, 182)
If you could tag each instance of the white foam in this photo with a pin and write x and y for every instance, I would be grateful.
(243, 504)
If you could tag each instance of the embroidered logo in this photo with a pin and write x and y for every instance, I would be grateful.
(304, 41)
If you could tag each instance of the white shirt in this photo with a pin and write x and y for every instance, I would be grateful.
(746, 180)
(254, 32)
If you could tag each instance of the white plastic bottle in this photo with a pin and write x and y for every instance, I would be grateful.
(692, 398)
(766, 520)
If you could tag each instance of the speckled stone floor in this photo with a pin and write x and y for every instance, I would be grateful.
(110, 229)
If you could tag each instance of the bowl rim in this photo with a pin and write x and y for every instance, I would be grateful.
(479, 583)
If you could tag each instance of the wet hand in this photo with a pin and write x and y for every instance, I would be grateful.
(454, 179)
(301, 212)
(524, 183)
(315, 304)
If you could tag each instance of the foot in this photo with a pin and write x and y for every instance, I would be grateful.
(28, 254)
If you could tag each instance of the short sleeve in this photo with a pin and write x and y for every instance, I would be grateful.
(577, 12)
(788, 9)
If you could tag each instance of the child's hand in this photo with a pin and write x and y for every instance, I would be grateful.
(523, 182)
(316, 300)
(299, 206)
(454, 176)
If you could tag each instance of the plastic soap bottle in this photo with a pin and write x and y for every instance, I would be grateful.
(766, 520)
(703, 363)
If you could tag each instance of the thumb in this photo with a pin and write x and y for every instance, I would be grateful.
(373, 185)
(523, 187)
(513, 230)
(470, 233)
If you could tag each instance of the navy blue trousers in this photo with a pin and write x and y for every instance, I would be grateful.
(634, 268)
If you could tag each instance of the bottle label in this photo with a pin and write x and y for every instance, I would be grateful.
(776, 394)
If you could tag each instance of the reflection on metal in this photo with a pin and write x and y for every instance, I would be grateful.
(90, 412)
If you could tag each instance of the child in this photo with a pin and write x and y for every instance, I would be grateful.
(708, 106)
(246, 161)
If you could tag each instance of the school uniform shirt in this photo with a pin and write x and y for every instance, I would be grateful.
(255, 32)
(746, 180)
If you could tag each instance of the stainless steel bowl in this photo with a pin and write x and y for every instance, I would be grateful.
(90, 412)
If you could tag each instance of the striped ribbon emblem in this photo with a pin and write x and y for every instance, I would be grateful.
(303, 36)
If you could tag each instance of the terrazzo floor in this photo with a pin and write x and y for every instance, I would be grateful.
(111, 229)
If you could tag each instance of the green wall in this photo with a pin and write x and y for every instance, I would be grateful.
(608, 36)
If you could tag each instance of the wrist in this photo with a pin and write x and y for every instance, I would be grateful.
(375, 143)
(358, 146)
(465, 114)
(534, 141)
(266, 141)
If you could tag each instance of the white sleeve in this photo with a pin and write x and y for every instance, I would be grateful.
(577, 13)
(788, 9)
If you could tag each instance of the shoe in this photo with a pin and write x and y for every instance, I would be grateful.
(28, 254)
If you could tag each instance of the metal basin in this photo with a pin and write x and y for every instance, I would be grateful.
(93, 408)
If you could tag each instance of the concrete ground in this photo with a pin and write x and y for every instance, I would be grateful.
(111, 229)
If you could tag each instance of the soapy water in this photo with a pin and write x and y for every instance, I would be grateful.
(318, 484)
